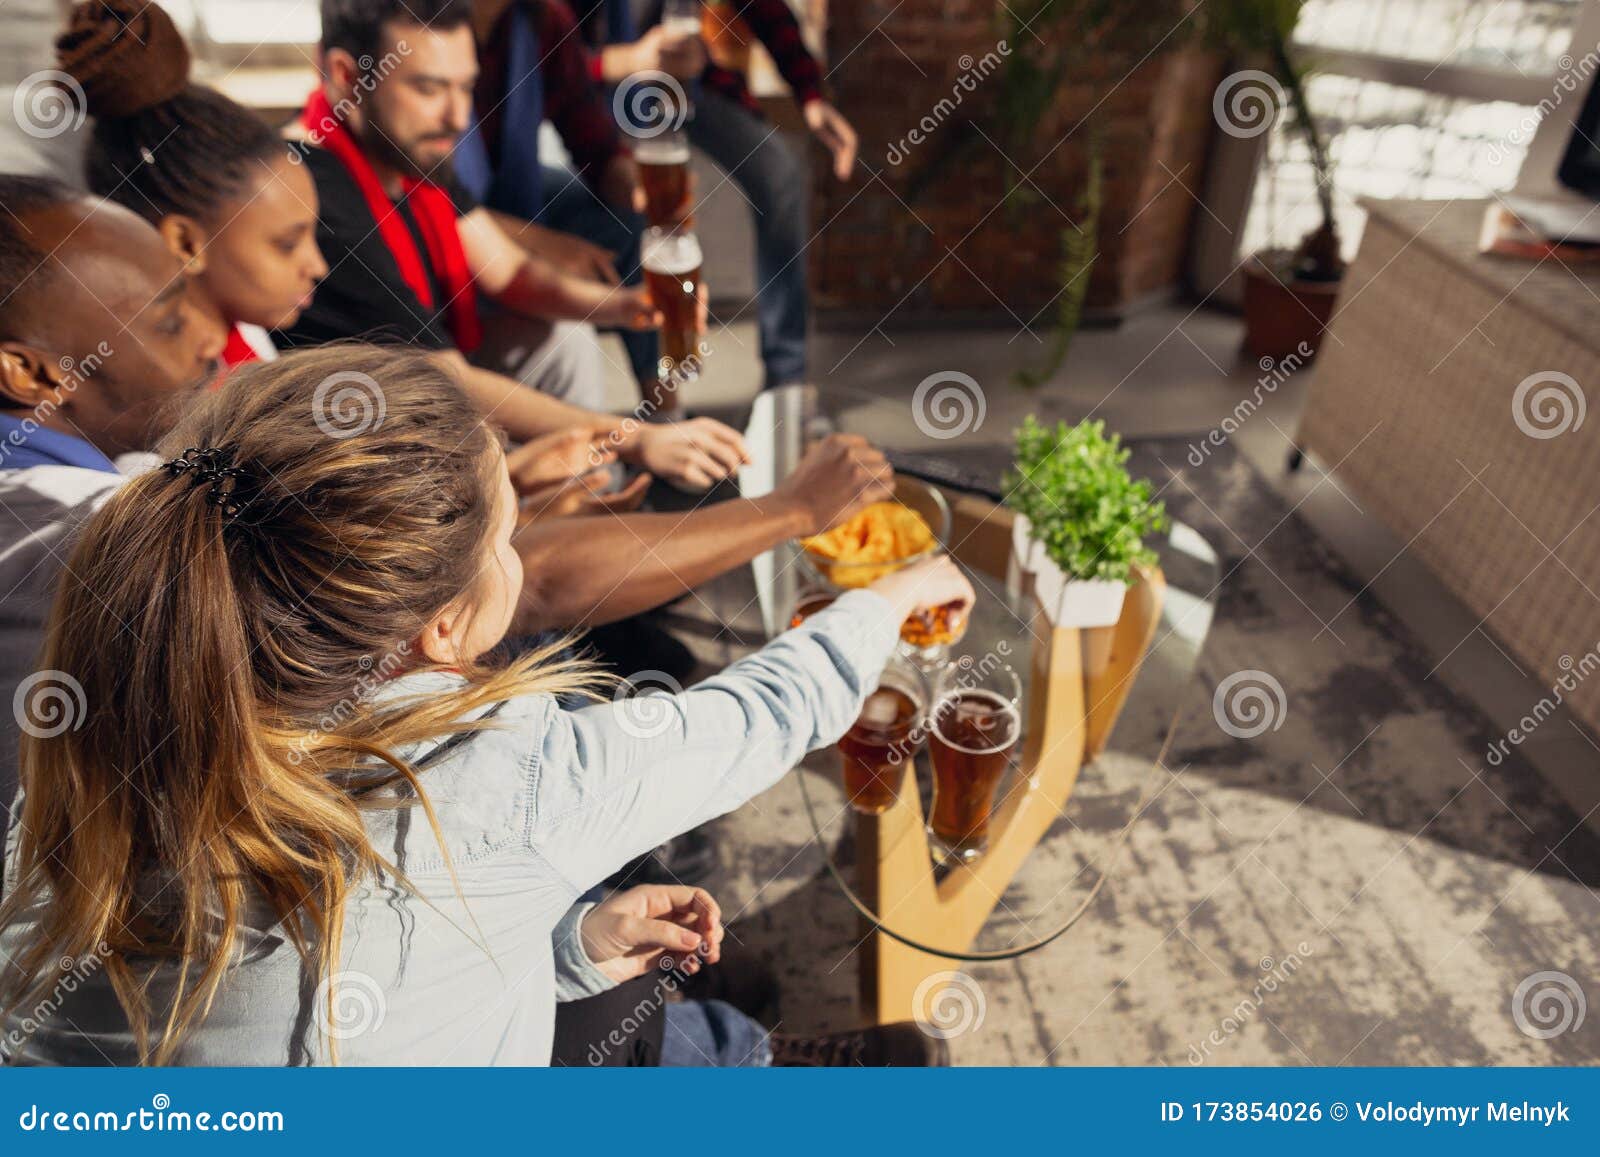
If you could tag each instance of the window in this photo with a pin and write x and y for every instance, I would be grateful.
(1419, 98)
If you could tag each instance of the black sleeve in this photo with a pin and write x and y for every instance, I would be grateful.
(363, 295)
(460, 196)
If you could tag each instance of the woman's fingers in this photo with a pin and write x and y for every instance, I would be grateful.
(624, 500)
(643, 932)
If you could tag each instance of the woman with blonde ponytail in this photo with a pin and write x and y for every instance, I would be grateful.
(302, 817)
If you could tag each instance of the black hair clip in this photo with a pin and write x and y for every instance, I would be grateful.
(214, 468)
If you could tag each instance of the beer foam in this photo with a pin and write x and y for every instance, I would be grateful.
(881, 707)
(674, 254)
(665, 150)
(993, 704)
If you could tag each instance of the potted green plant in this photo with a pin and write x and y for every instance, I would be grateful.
(1081, 523)
(1289, 294)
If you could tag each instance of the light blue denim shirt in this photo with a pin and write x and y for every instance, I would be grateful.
(534, 812)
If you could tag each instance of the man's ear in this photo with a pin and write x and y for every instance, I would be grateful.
(186, 239)
(440, 636)
(341, 71)
(28, 376)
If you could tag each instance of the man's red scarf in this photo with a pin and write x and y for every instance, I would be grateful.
(435, 216)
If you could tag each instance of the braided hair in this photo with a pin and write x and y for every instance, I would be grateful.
(161, 145)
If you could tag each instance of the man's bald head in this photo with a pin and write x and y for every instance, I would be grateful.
(96, 317)
(23, 265)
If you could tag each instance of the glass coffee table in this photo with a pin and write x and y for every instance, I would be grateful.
(1101, 700)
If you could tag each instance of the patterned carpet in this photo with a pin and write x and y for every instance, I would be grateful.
(1358, 886)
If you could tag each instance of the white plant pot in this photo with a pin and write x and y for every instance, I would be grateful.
(1024, 551)
(1075, 602)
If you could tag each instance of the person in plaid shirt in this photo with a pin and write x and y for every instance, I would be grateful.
(534, 67)
(727, 125)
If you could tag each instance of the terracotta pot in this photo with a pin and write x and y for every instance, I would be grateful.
(1281, 316)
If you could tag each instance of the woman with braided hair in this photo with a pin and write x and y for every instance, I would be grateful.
(226, 191)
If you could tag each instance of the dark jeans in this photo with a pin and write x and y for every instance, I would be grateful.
(572, 207)
(774, 179)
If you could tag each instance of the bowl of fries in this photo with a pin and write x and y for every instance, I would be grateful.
(883, 538)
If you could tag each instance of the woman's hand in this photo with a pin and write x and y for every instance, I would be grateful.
(693, 455)
(653, 928)
(560, 458)
(569, 473)
(933, 582)
(577, 498)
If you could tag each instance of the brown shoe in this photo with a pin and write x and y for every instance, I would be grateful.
(898, 1045)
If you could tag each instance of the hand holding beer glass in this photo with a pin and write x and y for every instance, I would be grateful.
(972, 730)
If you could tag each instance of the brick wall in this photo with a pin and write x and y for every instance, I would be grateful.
(953, 249)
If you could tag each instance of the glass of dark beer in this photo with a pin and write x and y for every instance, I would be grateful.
(664, 174)
(972, 730)
(671, 261)
(883, 740)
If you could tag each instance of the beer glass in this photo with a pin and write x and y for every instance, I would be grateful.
(809, 604)
(974, 726)
(681, 17)
(664, 174)
(882, 743)
(671, 261)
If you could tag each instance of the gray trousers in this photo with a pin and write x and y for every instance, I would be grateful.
(559, 358)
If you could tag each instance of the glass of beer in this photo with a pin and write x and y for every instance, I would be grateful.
(671, 261)
(883, 740)
(974, 726)
(809, 604)
(664, 174)
(681, 17)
